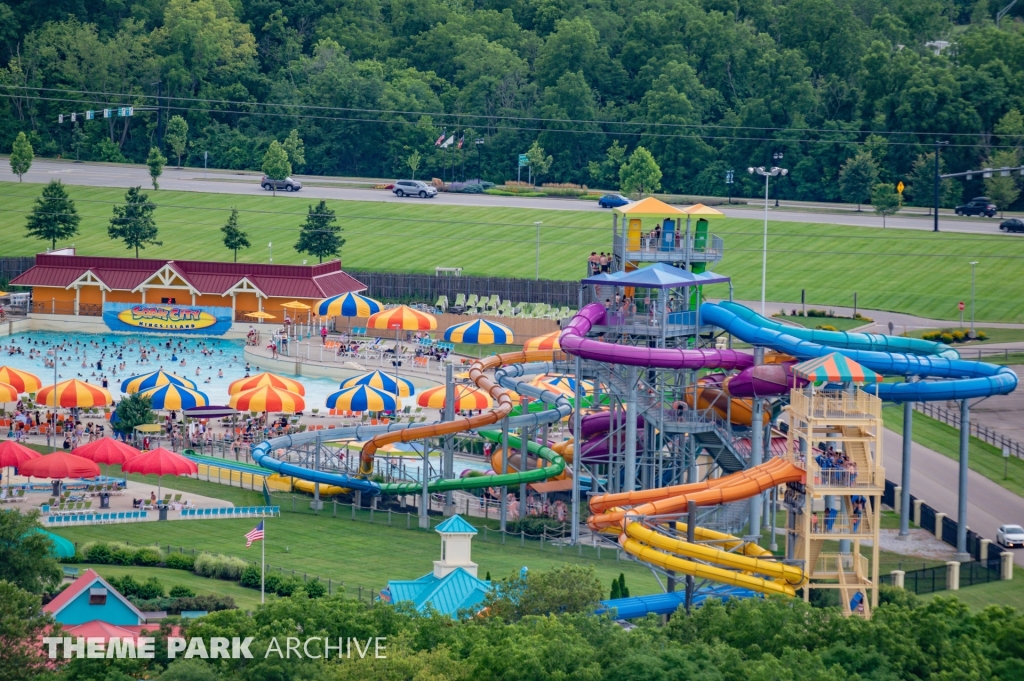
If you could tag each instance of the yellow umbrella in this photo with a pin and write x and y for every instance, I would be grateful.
(296, 305)
(260, 315)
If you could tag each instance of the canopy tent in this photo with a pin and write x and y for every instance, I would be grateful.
(364, 398)
(266, 379)
(659, 276)
(649, 208)
(23, 381)
(173, 397)
(402, 317)
(699, 210)
(160, 462)
(466, 397)
(381, 381)
(154, 379)
(8, 393)
(60, 465)
(480, 332)
(74, 393)
(268, 398)
(348, 305)
(548, 341)
(835, 368)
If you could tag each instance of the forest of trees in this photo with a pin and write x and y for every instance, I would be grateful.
(704, 85)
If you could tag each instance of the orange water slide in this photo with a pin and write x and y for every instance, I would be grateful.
(501, 396)
(711, 396)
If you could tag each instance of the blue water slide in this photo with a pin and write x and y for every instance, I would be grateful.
(668, 603)
(850, 340)
(965, 379)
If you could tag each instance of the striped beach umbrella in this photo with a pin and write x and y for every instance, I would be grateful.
(347, 305)
(364, 398)
(563, 384)
(266, 379)
(466, 397)
(268, 398)
(74, 393)
(480, 332)
(8, 393)
(23, 381)
(153, 379)
(403, 318)
(173, 397)
(548, 341)
(834, 368)
(381, 381)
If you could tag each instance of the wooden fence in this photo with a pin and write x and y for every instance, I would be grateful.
(523, 329)
(12, 267)
(426, 288)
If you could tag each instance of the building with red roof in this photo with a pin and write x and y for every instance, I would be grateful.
(65, 283)
(89, 599)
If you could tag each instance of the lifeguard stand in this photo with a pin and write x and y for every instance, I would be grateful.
(838, 508)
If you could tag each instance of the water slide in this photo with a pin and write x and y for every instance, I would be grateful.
(711, 394)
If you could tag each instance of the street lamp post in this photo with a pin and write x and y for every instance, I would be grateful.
(777, 157)
(478, 142)
(270, 247)
(773, 172)
(538, 223)
(973, 264)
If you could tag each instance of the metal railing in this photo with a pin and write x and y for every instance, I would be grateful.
(829, 563)
(951, 417)
(840, 522)
(703, 249)
(835, 404)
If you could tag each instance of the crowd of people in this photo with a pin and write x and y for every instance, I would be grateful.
(837, 468)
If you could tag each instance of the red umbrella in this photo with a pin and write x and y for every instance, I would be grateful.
(107, 450)
(60, 465)
(160, 462)
(13, 454)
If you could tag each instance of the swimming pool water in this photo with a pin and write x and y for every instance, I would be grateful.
(222, 356)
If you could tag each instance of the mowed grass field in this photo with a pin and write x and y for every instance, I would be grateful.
(908, 271)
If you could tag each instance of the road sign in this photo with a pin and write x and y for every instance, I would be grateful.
(107, 113)
(960, 306)
(60, 118)
(90, 115)
(524, 160)
(73, 117)
(900, 187)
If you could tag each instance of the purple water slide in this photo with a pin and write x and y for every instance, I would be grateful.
(574, 341)
(601, 422)
(765, 380)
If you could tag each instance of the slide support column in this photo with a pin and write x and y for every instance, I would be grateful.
(756, 452)
(908, 443)
(961, 516)
(629, 477)
(576, 449)
(504, 469)
(447, 471)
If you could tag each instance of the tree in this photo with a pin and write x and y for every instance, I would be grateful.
(234, 237)
(319, 235)
(615, 593)
(275, 164)
(1002, 190)
(133, 222)
(295, 149)
(77, 141)
(606, 172)
(156, 162)
(176, 136)
(26, 558)
(921, 191)
(885, 200)
(131, 411)
(539, 163)
(413, 162)
(21, 155)
(623, 589)
(640, 174)
(565, 589)
(22, 625)
(54, 215)
(858, 177)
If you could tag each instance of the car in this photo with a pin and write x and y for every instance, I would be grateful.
(414, 188)
(613, 201)
(980, 205)
(288, 184)
(1012, 225)
(1010, 535)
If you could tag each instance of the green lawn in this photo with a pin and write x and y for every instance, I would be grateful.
(840, 323)
(246, 599)
(915, 272)
(979, 596)
(984, 458)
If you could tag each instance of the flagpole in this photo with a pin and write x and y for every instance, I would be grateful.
(263, 562)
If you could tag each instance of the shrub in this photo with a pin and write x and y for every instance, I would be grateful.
(181, 592)
(535, 526)
(147, 556)
(97, 553)
(982, 335)
(180, 561)
(122, 557)
(270, 583)
(126, 586)
(288, 586)
(946, 338)
(150, 589)
(219, 566)
(315, 588)
(959, 336)
(250, 577)
(70, 560)
(826, 327)
(209, 603)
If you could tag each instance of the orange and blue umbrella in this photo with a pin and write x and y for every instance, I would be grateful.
(835, 368)
(466, 397)
(22, 380)
(479, 332)
(548, 341)
(74, 393)
(154, 379)
(381, 381)
(268, 398)
(364, 398)
(404, 318)
(173, 397)
(347, 305)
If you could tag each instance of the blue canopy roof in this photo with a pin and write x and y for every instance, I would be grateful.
(456, 524)
(657, 276)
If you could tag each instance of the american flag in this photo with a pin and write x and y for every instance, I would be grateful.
(256, 534)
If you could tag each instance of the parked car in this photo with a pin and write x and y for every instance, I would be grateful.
(288, 184)
(415, 188)
(612, 201)
(1012, 225)
(1010, 536)
(980, 205)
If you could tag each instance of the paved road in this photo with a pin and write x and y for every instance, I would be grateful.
(935, 479)
(237, 182)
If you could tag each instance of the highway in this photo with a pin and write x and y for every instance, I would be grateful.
(247, 183)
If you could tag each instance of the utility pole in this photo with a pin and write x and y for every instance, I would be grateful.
(938, 145)
(159, 105)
